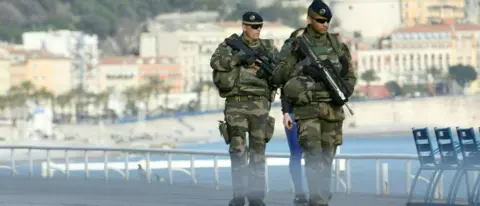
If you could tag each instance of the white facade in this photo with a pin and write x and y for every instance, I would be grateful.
(117, 78)
(403, 65)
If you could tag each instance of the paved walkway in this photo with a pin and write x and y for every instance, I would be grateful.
(39, 192)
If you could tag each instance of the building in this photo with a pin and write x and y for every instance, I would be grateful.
(115, 74)
(120, 73)
(41, 68)
(5, 63)
(415, 12)
(412, 51)
(163, 69)
(51, 72)
(78, 46)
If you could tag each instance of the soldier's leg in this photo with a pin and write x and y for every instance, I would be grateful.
(238, 126)
(309, 137)
(331, 133)
(257, 144)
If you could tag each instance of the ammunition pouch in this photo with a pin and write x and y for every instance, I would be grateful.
(269, 128)
(225, 81)
(223, 128)
(272, 94)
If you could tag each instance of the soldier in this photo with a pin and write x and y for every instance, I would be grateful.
(248, 99)
(318, 117)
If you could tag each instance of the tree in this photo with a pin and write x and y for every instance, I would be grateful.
(369, 76)
(462, 74)
(394, 88)
(435, 73)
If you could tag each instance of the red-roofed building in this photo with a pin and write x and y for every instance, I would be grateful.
(120, 73)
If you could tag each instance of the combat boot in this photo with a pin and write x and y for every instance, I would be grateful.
(256, 203)
(237, 201)
(312, 203)
(300, 200)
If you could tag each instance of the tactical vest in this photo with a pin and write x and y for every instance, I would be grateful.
(243, 81)
(301, 89)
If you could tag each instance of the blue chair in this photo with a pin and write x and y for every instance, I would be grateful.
(449, 151)
(426, 156)
(470, 149)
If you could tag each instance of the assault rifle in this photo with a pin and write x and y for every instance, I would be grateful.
(265, 60)
(338, 96)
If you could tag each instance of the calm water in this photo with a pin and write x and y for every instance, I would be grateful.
(353, 145)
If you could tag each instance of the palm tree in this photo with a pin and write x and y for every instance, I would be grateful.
(43, 94)
(101, 101)
(131, 96)
(63, 100)
(3, 103)
(369, 76)
(200, 88)
(166, 89)
(28, 88)
(79, 99)
(143, 93)
(159, 86)
(18, 95)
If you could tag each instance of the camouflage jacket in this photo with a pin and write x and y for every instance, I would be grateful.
(233, 79)
(291, 62)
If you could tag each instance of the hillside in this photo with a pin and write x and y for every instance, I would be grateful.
(114, 21)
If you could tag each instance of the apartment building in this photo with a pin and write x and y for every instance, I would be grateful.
(415, 12)
(413, 50)
(80, 47)
(119, 73)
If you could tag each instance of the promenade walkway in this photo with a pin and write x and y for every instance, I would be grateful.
(40, 192)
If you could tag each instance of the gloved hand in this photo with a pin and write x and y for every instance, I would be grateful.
(245, 59)
(327, 63)
(312, 72)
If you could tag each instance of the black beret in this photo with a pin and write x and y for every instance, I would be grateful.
(251, 17)
(321, 8)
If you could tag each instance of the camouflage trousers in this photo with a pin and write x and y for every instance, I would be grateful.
(248, 160)
(319, 140)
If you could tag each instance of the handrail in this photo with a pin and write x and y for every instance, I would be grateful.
(199, 152)
(341, 171)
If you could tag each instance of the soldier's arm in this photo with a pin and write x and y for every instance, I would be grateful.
(286, 107)
(222, 59)
(286, 61)
(349, 77)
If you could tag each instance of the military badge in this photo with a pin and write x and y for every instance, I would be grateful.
(252, 17)
(322, 12)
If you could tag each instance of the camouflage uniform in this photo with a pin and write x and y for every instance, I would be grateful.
(247, 106)
(319, 122)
